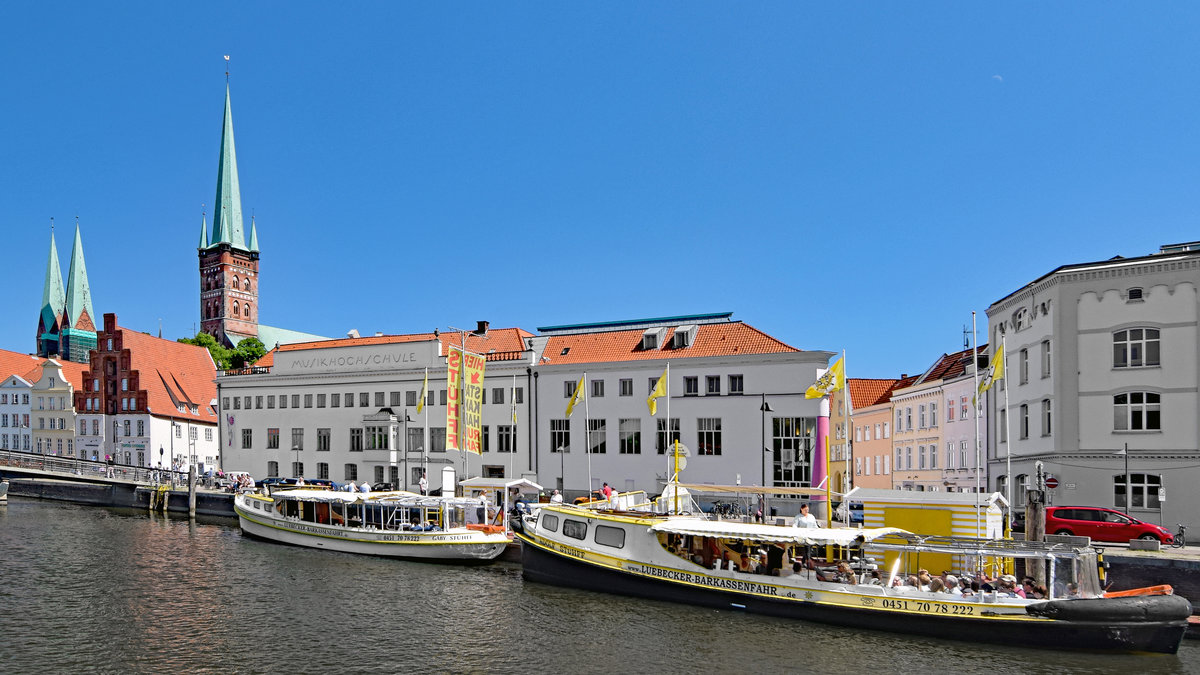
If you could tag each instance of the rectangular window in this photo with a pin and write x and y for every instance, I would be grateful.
(127, 425)
(1137, 411)
(283, 399)
(560, 435)
(394, 399)
(933, 457)
(308, 400)
(335, 400)
(708, 432)
(691, 385)
(297, 438)
(237, 403)
(1023, 421)
(246, 401)
(442, 397)
(712, 385)
(271, 402)
(920, 457)
(735, 385)
(921, 416)
(1143, 489)
(597, 388)
(908, 419)
(378, 399)
(350, 472)
(661, 441)
(506, 438)
(320, 400)
(258, 402)
(348, 399)
(933, 414)
(356, 440)
(364, 400)
(208, 434)
(519, 395)
(410, 398)
(630, 436)
(323, 440)
(1046, 417)
(1045, 358)
(323, 470)
(625, 386)
(569, 388)
(1003, 425)
(610, 536)
(498, 395)
(297, 469)
(1023, 361)
(437, 439)
(272, 439)
(272, 469)
(247, 439)
(295, 400)
(598, 436)
(908, 458)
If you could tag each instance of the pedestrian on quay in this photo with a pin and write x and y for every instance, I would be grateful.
(423, 484)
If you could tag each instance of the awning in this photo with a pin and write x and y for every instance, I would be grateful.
(524, 485)
(772, 533)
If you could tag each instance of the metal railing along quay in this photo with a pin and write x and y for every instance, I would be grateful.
(85, 469)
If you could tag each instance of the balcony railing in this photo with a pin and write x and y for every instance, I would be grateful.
(252, 370)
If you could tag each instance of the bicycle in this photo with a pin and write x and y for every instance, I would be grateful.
(1180, 537)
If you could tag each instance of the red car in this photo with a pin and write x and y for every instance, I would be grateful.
(1101, 524)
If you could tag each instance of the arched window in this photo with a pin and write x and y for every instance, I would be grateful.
(1137, 411)
(235, 307)
(1135, 348)
(246, 284)
(246, 310)
(235, 281)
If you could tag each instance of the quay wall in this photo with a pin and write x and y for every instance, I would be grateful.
(1138, 571)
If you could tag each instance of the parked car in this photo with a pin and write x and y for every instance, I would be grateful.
(1102, 524)
(276, 483)
(855, 512)
(1018, 522)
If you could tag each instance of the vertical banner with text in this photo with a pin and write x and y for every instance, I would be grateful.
(454, 363)
(472, 407)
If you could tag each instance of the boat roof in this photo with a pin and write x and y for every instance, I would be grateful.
(773, 533)
(1010, 548)
(523, 484)
(755, 489)
(390, 498)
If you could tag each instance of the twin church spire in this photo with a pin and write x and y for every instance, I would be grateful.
(66, 322)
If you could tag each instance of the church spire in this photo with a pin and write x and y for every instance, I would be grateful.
(203, 231)
(79, 312)
(253, 236)
(53, 297)
(227, 220)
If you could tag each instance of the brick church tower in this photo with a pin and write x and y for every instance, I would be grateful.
(228, 268)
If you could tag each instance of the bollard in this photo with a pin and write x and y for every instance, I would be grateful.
(192, 491)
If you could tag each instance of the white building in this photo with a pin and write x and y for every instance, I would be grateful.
(14, 414)
(337, 409)
(1103, 356)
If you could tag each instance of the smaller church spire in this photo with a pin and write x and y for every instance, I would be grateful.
(79, 312)
(203, 230)
(53, 296)
(253, 236)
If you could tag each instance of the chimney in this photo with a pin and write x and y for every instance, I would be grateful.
(481, 328)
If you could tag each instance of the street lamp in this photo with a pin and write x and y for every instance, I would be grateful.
(1124, 452)
(764, 409)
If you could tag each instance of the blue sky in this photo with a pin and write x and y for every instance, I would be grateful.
(855, 176)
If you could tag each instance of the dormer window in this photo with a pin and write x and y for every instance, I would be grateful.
(652, 338)
(684, 337)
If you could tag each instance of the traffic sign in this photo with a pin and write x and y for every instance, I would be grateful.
(1051, 482)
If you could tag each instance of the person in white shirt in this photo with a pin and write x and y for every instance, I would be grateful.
(366, 487)
(555, 497)
(423, 484)
(804, 518)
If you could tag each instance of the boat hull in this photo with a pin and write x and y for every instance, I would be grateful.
(447, 547)
(544, 565)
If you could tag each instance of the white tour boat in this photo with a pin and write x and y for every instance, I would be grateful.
(685, 558)
(393, 524)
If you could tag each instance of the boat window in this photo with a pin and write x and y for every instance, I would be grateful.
(550, 522)
(610, 536)
(575, 529)
(255, 505)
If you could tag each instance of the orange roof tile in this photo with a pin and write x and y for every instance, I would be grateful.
(712, 339)
(868, 392)
(172, 371)
(497, 340)
(952, 365)
(30, 368)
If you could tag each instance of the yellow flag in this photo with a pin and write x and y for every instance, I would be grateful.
(660, 390)
(994, 372)
(576, 398)
(833, 380)
(424, 388)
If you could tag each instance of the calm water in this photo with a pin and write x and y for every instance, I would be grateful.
(105, 590)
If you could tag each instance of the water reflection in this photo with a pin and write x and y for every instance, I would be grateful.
(119, 591)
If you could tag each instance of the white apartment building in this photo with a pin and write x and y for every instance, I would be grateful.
(15, 433)
(1102, 357)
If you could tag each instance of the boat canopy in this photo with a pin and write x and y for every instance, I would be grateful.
(1009, 548)
(523, 485)
(773, 533)
(755, 490)
(392, 498)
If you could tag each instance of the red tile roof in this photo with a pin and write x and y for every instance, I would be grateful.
(952, 365)
(498, 340)
(30, 368)
(868, 392)
(712, 339)
(172, 371)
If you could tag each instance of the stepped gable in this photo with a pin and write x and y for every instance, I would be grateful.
(712, 339)
(172, 373)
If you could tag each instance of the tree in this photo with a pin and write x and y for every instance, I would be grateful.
(221, 356)
(247, 352)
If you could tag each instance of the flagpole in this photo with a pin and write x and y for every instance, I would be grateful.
(667, 447)
(587, 435)
(975, 356)
(847, 410)
(512, 402)
(1007, 435)
(425, 446)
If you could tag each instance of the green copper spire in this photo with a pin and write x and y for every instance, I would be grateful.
(79, 295)
(203, 232)
(253, 236)
(53, 297)
(227, 221)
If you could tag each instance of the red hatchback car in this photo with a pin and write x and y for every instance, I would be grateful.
(1101, 524)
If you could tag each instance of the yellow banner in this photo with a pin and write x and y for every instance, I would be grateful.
(472, 410)
(454, 364)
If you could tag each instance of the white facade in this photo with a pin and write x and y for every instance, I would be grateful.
(962, 465)
(52, 412)
(15, 433)
(1102, 356)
